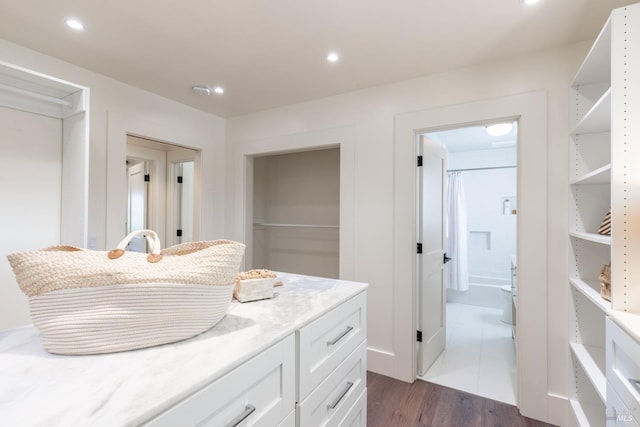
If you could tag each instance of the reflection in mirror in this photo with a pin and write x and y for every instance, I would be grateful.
(183, 204)
(138, 203)
(161, 180)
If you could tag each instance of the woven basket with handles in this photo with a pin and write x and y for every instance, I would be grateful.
(90, 302)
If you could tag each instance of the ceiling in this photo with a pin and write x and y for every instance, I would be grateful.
(271, 53)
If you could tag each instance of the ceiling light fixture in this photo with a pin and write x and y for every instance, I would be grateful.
(75, 24)
(530, 2)
(201, 90)
(333, 57)
(219, 90)
(499, 129)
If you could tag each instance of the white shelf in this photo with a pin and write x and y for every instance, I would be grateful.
(592, 237)
(602, 175)
(592, 361)
(597, 65)
(586, 288)
(598, 118)
(586, 414)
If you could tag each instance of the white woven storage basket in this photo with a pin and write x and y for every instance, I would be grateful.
(91, 302)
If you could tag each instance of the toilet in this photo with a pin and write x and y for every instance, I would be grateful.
(507, 312)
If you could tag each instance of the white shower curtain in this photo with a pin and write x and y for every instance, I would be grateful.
(457, 269)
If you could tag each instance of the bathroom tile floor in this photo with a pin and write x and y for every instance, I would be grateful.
(479, 357)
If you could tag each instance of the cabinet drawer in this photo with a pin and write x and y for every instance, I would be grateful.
(332, 400)
(623, 368)
(357, 416)
(327, 341)
(262, 390)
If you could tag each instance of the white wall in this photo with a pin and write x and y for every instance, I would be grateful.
(492, 234)
(180, 124)
(371, 113)
(167, 120)
(30, 198)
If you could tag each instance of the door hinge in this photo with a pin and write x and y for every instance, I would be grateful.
(419, 248)
(179, 232)
(179, 180)
(419, 161)
(419, 336)
(147, 177)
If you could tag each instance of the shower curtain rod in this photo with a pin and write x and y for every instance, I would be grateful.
(480, 169)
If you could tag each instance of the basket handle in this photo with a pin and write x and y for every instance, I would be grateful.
(152, 239)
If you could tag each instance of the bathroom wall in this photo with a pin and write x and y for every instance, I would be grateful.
(492, 234)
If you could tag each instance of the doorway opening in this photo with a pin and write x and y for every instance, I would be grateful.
(161, 183)
(467, 270)
(296, 212)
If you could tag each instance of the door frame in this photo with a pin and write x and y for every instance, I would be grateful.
(530, 109)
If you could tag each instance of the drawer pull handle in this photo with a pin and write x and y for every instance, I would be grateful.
(248, 410)
(335, 403)
(339, 337)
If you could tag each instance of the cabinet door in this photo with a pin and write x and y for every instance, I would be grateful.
(260, 392)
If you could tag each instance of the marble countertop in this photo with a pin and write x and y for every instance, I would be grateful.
(128, 388)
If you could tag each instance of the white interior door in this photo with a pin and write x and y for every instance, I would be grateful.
(138, 206)
(156, 187)
(431, 277)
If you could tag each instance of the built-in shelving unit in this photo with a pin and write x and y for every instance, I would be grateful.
(590, 181)
(604, 160)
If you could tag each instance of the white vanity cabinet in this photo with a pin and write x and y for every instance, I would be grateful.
(328, 387)
(298, 359)
(260, 392)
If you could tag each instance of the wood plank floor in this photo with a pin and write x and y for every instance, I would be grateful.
(394, 403)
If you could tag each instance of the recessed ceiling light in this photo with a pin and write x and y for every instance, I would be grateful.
(201, 90)
(333, 57)
(528, 2)
(75, 24)
(499, 129)
(219, 90)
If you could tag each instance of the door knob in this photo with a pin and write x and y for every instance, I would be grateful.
(446, 259)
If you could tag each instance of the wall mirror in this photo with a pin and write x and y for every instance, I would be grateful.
(161, 182)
